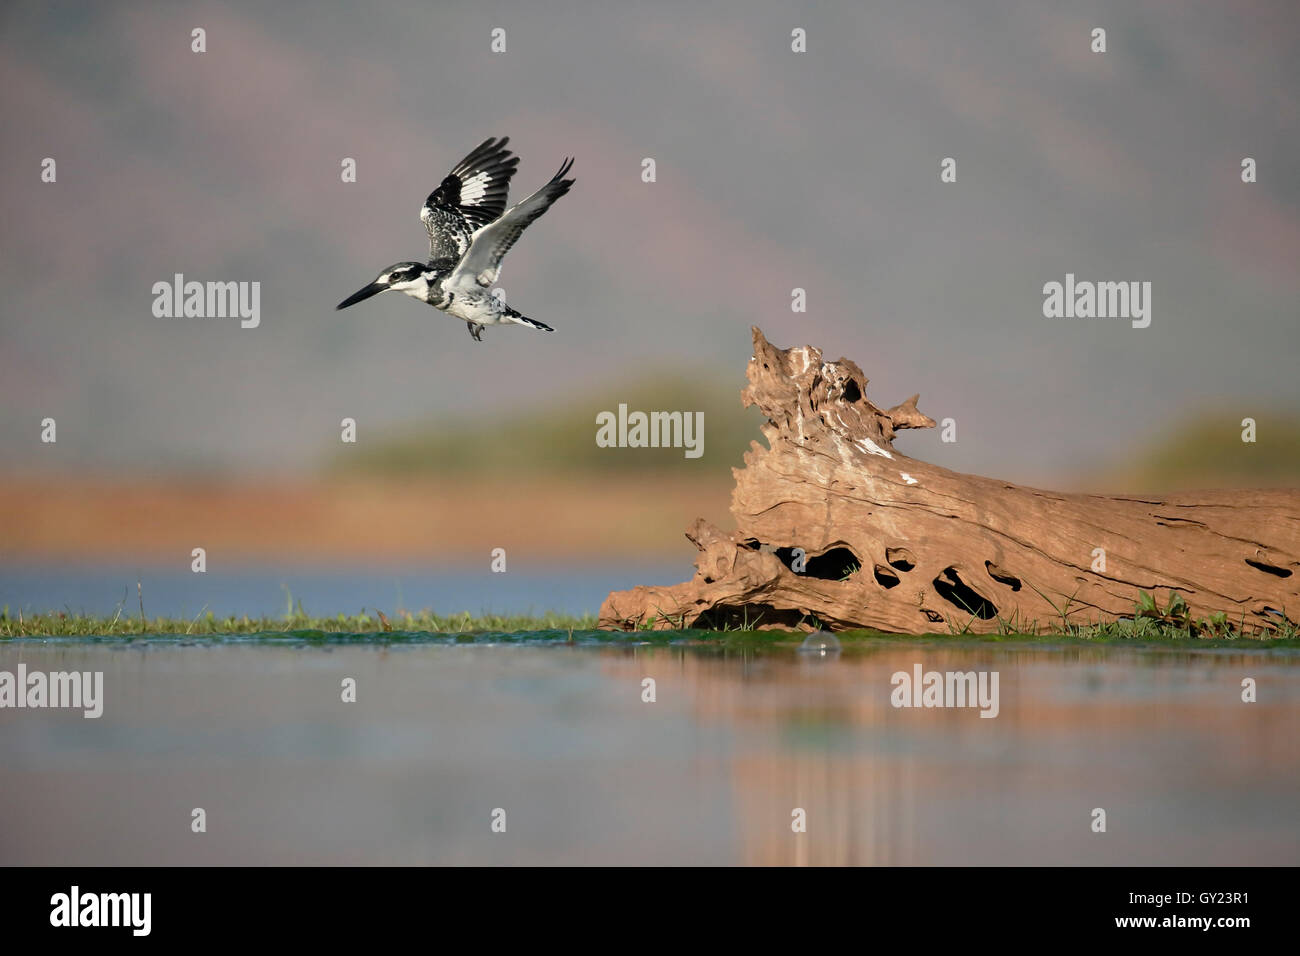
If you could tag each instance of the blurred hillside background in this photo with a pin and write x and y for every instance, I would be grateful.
(775, 170)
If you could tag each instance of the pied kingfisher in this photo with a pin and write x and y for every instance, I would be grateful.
(470, 231)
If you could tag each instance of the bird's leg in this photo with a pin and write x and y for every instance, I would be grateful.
(476, 331)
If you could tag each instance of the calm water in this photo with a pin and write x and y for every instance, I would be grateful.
(558, 736)
(264, 591)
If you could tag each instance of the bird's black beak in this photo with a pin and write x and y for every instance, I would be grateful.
(373, 289)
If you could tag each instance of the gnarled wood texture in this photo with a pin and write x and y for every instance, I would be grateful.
(935, 549)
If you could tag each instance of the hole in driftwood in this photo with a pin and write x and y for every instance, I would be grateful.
(900, 558)
(1269, 568)
(934, 617)
(835, 565)
(954, 590)
(731, 616)
(885, 577)
(851, 392)
(1002, 577)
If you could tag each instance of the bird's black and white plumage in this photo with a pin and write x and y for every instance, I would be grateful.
(481, 263)
(469, 197)
(470, 231)
(470, 282)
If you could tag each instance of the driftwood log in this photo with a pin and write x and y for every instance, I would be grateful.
(893, 543)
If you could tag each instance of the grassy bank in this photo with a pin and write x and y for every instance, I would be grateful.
(378, 623)
(380, 626)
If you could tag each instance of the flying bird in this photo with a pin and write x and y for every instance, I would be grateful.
(470, 231)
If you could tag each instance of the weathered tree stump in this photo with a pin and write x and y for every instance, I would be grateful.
(897, 544)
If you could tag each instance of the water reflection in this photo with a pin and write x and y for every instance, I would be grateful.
(735, 742)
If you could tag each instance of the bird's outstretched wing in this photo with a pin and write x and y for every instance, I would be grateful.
(481, 265)
(471, 196)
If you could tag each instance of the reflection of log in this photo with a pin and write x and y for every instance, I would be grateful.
(934, 549)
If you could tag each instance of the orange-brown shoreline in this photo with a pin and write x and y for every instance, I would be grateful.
(351, 520)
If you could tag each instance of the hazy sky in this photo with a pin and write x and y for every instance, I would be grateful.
(775, 169)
